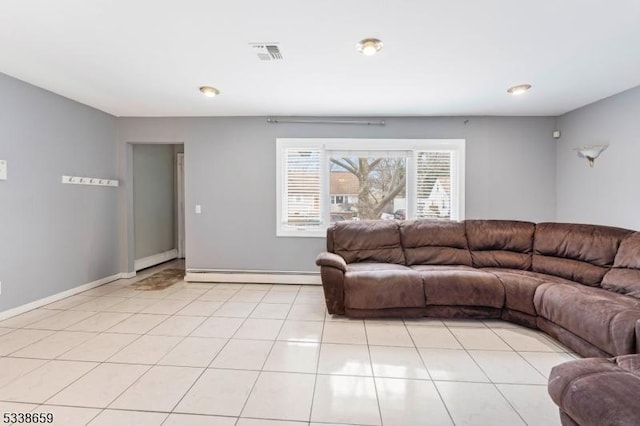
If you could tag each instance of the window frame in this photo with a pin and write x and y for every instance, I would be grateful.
(364, 145)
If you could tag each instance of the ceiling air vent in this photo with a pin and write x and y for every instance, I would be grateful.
(266, 51)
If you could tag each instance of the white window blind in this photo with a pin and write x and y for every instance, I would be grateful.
(436, 185)
(302, 188)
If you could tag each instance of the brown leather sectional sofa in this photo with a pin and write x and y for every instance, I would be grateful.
(578, 283)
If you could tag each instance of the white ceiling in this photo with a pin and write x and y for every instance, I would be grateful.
(444, 57)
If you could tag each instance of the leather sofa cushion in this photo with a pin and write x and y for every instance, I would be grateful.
(374, 266)
(573, 270)
(424, 268)
(623, 281)
(380, 286)
(598, 391)
(628, 254)
(604, 319)
(624, 278)
(461, 286)
(520, 286)
(437, 242)
(582, 253)
(366, 240)
(500, 243)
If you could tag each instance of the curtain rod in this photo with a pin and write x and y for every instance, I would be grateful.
(307, 121)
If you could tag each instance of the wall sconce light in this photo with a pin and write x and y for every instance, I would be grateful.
(591, 152)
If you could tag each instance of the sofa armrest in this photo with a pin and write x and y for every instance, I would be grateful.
(332, 270)
(331, 259)
(596, 391)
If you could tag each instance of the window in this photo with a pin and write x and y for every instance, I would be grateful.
(321, 181)
(337, 199)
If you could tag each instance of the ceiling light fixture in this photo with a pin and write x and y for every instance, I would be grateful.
(519, 89)
(209, 91)
(369, 46)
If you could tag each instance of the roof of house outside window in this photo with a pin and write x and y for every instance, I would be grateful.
(343, 183)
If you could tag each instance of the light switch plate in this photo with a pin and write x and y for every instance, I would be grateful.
(3, 169)
(198, 209)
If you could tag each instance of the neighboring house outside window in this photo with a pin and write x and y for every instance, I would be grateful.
(343, 190)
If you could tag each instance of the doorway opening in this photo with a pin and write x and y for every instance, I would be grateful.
(158, 203)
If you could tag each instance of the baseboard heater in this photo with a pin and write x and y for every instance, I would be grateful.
(249, 276)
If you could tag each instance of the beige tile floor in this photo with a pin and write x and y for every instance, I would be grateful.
(250, 355)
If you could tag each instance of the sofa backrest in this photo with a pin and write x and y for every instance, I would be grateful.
(624, 277)
(500, 243)
(582, 253)
(434, 242)
(366, 241)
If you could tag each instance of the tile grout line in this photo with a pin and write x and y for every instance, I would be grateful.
(448, 328)
(510, 404)
(50, 361)
(315, 381)
(446, 407)
(208, 366)
(487, 375)
(244, 405)
(307, 374)
(189, 301)
(520, 355)
(227, 342)
(375, 385)
(150, 366)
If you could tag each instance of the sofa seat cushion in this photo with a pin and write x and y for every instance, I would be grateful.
(424, 268)
(461, 286)
(532, 274)
(604, 319)
(597, 391)
(520, 286)
(381, 286)
(374, 266)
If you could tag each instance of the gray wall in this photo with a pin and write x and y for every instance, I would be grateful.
(230, 171)
(153, 199)
(54, 237)
(608, 193)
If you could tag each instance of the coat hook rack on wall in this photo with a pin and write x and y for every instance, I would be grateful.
(78, 180)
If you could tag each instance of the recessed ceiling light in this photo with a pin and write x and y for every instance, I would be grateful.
(519, 89)
(369, 46)
(209, 91)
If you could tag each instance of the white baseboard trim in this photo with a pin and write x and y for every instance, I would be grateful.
(127, 275)
(58, 296)
(253, 277)
(149, 261)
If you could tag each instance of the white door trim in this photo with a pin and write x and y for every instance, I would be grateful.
(180, 204)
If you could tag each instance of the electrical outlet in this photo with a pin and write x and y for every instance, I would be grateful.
(198, 209)
(0, 287)
(3, 169)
